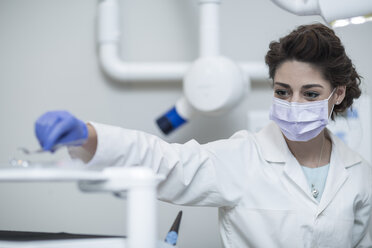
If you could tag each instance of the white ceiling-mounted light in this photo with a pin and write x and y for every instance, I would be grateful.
(351, 12)
(338, 13)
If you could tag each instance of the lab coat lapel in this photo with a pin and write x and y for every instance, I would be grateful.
(337, 176)
(272, 144)
(342, 157)
(294, 172)
(274, 149)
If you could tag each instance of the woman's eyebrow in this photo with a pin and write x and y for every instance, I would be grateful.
(308, 86)
(283, 85)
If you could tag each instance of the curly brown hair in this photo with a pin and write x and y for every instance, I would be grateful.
(318, 45)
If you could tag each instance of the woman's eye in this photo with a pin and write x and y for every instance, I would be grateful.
(281, 93)
(311, 95)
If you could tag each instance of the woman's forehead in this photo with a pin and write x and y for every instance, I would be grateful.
(297, 74)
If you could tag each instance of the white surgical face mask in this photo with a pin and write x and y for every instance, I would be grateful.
(300, 121)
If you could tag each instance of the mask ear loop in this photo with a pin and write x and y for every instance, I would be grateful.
(333, 91)
(333, 105)
(330, 113)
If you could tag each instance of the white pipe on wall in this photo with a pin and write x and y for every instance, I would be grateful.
(255, 71)
(108, 22)
(114, 66)
(117, 68)
(209, 28)
(139, 72)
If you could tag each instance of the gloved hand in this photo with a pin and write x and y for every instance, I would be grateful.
(57, 128)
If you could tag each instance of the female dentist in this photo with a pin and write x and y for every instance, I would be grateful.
(293, 184)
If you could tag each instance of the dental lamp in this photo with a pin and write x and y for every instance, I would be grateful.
(337, 13)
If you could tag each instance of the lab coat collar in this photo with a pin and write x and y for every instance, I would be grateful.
(342, 158)
(274, 148)
(272, 144)
(342, 154)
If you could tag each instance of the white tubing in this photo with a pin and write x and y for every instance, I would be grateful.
(255, 70)
(139, 72)
(209, 31)
(299, 7)
(108, 21)
(113, 66)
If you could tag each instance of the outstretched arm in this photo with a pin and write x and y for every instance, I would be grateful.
(90, 146)
(208, 175)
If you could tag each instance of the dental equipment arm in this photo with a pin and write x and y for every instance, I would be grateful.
(209, 86)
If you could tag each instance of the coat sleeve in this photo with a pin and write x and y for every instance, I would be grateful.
(362, 233)
(202, 175)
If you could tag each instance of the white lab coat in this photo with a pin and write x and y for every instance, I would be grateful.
(263, 197)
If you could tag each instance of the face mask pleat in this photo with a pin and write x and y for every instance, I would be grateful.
(300, 121)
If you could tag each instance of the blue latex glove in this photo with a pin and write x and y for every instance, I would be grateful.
(57, 128)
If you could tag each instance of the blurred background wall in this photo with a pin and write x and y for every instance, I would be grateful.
(48, 61)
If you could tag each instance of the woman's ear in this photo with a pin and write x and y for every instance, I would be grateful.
(339, 94)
